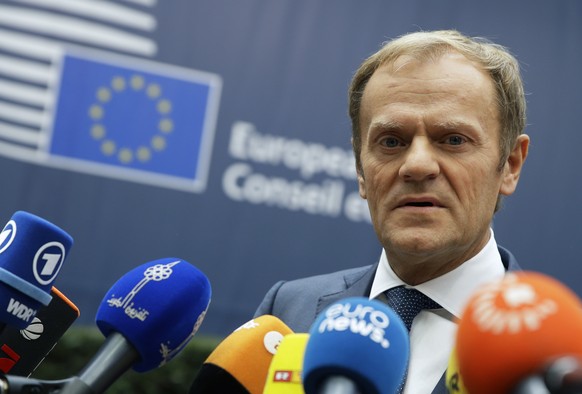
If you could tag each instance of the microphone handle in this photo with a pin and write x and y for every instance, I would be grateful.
(338, 384)
(14, 384)
(113, 358)
(532, 385)
(564, 376)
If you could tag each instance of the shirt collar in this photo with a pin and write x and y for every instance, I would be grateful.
(453, 289)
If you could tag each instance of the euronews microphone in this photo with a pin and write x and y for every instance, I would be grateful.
(32, 252)
(284, 376)
(240, 363)
(147, 317)
(24, 349)
(356, 345)
(512, 328)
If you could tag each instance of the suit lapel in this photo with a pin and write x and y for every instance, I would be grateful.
(357, 284)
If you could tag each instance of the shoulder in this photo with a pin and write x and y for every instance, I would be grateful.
(508, 259)
(298, 301)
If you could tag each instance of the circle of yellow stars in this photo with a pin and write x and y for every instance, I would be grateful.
(108, 146)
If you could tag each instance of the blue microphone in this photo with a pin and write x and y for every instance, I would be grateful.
(356, 345)
(32, 252)
(148, 316)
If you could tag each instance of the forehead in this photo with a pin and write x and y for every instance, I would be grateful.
(447, 84)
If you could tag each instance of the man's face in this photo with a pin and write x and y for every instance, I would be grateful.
(430, 156)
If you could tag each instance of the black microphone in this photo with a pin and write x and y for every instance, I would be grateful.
(22, 350)
(533, 384)
(564, 375)
(147, 317)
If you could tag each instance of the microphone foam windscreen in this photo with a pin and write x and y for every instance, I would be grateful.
(157, 307)
(32, 252)
(511, 328)
(284, 375)
(361, 339)
(240, 363)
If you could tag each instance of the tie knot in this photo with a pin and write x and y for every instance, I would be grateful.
(408, 303)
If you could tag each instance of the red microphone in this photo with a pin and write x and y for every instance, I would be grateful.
(512, 328)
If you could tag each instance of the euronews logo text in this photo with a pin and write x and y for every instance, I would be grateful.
(360, 319)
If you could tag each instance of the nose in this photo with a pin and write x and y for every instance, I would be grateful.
(420, 161)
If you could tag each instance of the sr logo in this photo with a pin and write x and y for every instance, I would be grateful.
(48, 261)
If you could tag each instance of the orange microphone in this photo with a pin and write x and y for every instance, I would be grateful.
(512, 328)
(240, 363)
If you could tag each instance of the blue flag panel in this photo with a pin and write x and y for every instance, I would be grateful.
(114, 115)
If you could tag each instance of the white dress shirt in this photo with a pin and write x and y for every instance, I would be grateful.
(432, 334)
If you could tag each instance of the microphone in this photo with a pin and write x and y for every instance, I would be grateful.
(356, 345)
(564, 375)
(512, 328)
(561, 376)
(147, 317)
(284, 376)
(32, 252)
(240, 363)
(533, 384)
(23, 350)
(13, 384)
(453, 379)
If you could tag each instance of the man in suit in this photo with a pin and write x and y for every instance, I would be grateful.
(437, 132)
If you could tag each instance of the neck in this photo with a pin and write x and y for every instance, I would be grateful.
(414, 268)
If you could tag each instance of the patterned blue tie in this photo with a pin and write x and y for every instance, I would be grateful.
(408, 303)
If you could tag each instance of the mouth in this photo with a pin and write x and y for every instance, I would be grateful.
(420, 203)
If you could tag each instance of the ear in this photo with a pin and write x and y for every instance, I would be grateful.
(514, 164)
(360, 173)
(361, 182)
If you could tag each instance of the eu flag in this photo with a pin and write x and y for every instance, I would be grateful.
(135, 119)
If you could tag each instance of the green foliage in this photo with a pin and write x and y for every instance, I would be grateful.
(79, 344)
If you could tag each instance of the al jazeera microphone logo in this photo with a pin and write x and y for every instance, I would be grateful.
(511, 306)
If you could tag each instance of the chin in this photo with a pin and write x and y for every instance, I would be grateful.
(415, 242)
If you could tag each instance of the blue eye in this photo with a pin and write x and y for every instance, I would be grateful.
(455, 140)
(391, 142)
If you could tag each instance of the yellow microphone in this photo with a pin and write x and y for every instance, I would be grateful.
(284, 376)
(454, 380)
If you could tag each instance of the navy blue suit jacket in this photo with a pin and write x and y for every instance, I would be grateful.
(298, 302)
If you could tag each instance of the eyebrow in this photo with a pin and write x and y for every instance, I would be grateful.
(455, 124)
(389, 124)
